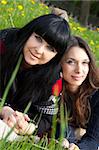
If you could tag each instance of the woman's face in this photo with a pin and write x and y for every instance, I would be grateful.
(37, 51)
(75, 66)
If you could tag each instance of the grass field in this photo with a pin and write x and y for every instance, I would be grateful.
(16, 13)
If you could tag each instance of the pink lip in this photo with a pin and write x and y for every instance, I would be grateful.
(33, 55)
(77, 77)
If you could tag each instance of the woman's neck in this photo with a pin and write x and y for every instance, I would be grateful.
(26, 65)
(71, 89)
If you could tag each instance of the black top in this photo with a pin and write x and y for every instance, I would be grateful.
(43, 106)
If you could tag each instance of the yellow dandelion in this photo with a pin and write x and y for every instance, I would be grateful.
(70, 24)
(92, 42)
(97, 29)
(10, 9)
(42, 5)
(33, 2)
(81, 29)
(4, 2)
(20, 7)
(97, 46)
(74, 28)
(46, 7)
(23, 14)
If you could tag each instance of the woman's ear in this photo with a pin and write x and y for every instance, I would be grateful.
(61, 74)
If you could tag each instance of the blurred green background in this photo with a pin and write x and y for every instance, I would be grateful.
(16, 13)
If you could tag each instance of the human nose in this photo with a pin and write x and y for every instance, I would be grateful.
(78, 68)
(40, 49)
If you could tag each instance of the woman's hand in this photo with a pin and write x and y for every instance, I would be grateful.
(8, 116)
(73, 146)
(27, 129)
(69, 146)
(65, 143)
(18, 120)
(22, 126)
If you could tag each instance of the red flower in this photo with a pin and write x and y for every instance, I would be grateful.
(57, 87)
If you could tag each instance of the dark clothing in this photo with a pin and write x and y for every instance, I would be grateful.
(20, 93)
(90, 140)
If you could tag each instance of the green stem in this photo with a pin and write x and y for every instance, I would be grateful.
(14, 73)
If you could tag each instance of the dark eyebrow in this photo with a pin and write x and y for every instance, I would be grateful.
(76, 60)
(71, 58)
(86, 60)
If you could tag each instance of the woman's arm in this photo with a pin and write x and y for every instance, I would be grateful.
(18, 120)
(90, 141)
(44, 124)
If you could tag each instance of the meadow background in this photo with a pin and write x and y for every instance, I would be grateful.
(16, 13)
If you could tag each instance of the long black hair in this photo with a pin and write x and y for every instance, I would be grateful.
(36, 82)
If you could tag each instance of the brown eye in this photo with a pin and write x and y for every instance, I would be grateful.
(85, 62)
(71, 62)
(51, 48)
(39, 39)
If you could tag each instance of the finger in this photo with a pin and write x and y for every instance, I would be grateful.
(22, 124)
(26, 117)
(65, 143)
(18, 113)
(76, 148)
(28, 130)
(31, 128)
(21, 131)
(73, 147)
(10, 124)
(21, 116)
(10, 121)
(16, 130)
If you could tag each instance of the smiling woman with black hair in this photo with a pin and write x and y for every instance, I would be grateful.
(42, 42)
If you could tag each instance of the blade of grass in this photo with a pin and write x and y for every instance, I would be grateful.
(14, 73)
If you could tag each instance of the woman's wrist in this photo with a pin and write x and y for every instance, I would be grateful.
(6, 110)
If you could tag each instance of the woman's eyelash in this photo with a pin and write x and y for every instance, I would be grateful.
(51, 48)
(85, 62)
(69, 61)
(39, 38)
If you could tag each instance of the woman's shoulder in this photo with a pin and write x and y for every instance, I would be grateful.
(3, 36)
(5, 32)
(94, 97)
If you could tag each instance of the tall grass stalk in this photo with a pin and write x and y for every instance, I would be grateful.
(53, 132)
(14, 73)
(62, 120)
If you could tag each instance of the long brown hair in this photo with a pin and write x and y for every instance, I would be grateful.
(79, 104)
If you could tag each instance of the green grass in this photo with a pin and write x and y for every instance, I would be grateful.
(16, 13)
(92, 37)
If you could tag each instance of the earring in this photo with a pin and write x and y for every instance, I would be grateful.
(61, 74)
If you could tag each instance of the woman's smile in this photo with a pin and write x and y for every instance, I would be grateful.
(77, 78)
(34, 56)
(75, 67)
(37, 51)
